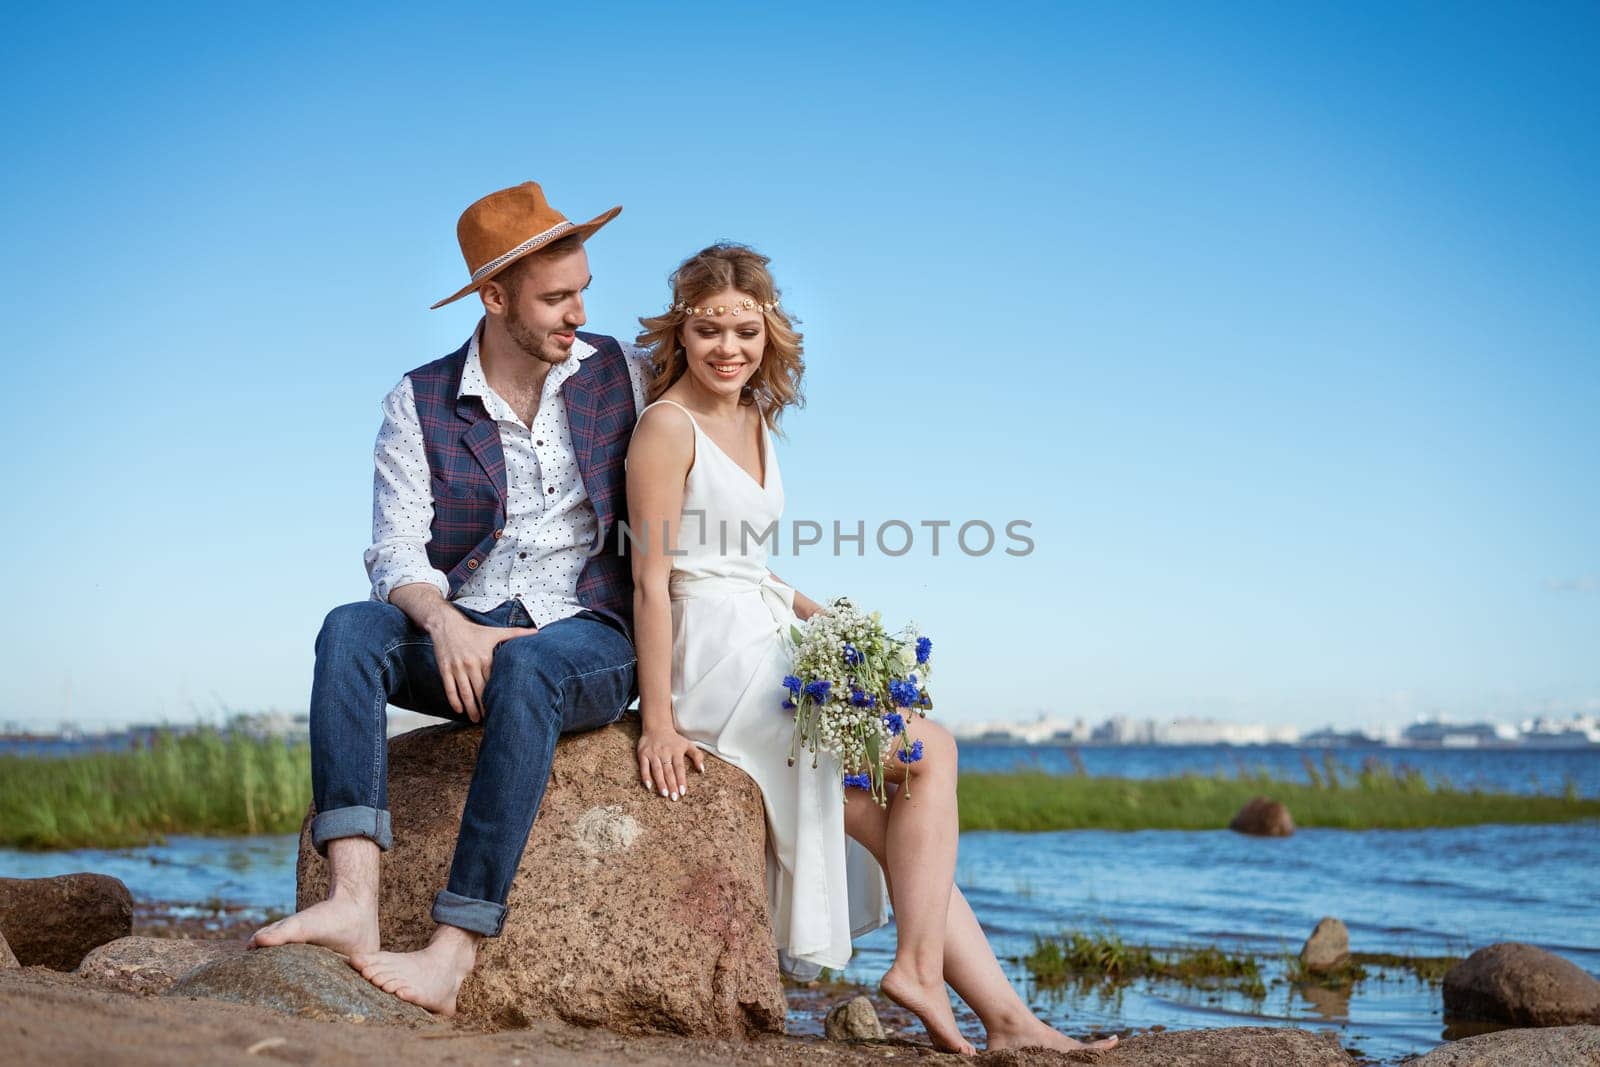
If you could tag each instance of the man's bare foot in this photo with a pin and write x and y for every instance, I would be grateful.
(930, 1003)
(341, 923)
(1041, 1035)
(430, 978)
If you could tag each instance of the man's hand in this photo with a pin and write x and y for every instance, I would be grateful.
(465, 653)
(664, 755)
(464, 650)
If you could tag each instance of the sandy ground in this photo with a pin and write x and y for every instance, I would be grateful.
(55, 1019)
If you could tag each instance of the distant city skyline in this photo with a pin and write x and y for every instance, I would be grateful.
(1279, 325)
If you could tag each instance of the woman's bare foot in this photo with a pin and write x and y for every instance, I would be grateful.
(930, 1003)
(430, 978)
(341, 923)
(1040, 1035)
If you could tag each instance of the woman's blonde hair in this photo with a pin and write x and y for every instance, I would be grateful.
(776, 383)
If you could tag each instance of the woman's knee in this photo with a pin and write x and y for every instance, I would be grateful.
(939, 750)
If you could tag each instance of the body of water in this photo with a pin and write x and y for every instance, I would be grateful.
(1417, 892)
(1495, 770)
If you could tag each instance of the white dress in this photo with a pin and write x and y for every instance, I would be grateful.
(730, 652)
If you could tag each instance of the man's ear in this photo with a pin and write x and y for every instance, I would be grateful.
(493, 295)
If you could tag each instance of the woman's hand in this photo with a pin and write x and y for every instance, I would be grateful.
(664, 755)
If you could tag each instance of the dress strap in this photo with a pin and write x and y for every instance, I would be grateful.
(675, 404)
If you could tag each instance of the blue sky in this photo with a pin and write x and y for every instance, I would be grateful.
(1278, 323)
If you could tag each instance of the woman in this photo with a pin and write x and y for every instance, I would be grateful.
(710, 626)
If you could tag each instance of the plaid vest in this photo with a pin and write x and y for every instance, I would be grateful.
(468, 470)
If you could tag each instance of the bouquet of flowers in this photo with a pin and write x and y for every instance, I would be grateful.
(853, 690)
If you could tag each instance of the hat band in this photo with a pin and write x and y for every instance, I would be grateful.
(527, 246)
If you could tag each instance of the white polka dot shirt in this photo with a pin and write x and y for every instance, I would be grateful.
(550, 523)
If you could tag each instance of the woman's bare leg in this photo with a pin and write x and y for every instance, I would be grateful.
(919, 845)
(969, 963)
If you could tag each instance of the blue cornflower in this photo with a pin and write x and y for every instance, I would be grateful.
(858, 781)
(792, 684)
(851, 656)
(914, 755)
(789, 705)
(904, 694)
(895, 722)
(859, 698)
(818, 691)
(924, 648)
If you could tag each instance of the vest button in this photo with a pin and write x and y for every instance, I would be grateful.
(472, 564)
(498, 534)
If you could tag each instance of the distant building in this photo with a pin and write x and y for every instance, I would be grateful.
(1440, 734)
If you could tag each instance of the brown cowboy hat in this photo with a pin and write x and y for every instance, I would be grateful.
(503, 227)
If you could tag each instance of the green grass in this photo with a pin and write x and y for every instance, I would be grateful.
(1103, 956)
(219, 782)
(1086, 958)
(1374, 798)
(205, 782)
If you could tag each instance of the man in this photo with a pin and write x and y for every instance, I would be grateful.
(498, 596)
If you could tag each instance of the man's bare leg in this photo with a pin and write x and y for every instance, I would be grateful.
(430, 977)
(347, 922)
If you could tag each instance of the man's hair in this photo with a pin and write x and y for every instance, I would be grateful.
(511, 278)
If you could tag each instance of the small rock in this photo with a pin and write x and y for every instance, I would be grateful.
(54, 922)
(1520, 984)
(302, 980)
(1571, 1045)
(1263, 817)
(150, 965)
(8, 959)
(1328, 947)
(854, 1020)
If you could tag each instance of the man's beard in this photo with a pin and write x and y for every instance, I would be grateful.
(532, 343)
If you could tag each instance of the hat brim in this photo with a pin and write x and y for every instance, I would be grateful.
(584, 230)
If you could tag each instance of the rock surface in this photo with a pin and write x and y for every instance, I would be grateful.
(854, 1020)
(54, 922)
(628, 910)
(303, 980)
(1238, 1046)
(1515, 983)
(149, 965)
(8, 959)
(1328, 947)
(1569, 1046)
(51, 1018)
(1263, 817)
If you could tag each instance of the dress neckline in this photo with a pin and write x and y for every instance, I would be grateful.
(762, 442)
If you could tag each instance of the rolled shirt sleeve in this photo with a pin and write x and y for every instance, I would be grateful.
(402, 501)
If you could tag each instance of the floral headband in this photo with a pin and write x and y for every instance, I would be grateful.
(738, 307)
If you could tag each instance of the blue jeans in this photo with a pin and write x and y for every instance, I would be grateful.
(575, 674)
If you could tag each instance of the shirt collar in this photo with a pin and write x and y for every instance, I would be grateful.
(473, 383)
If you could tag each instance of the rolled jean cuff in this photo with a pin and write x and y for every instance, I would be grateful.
(371, 823)
(477, 916)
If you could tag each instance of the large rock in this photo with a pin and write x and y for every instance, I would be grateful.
(54, 922)
(854, 1020)
(303, 980)
(149, 965)
(628, 910)
(1263, 817)
(1520, 984)
(1328, 947)
(8, 959)
(1568, 1046)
